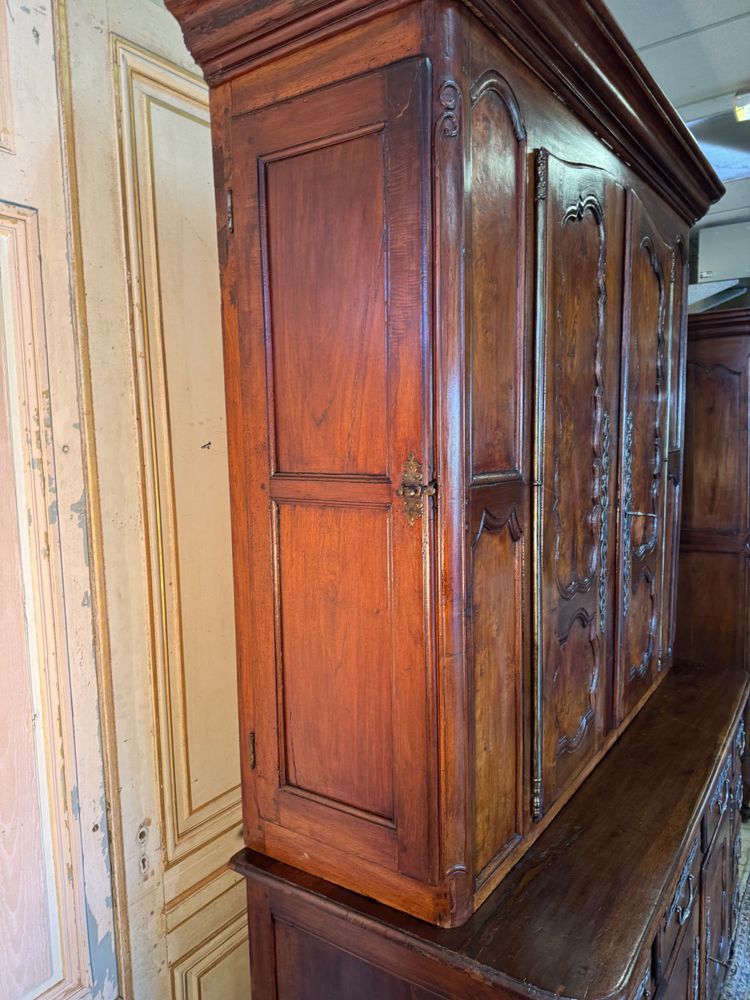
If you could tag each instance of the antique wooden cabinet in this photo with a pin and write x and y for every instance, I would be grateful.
(453, 245)
(714, 587)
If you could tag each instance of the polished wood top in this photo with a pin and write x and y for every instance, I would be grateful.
(595, 882)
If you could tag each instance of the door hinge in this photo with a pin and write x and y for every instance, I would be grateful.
(251, 751)
(230, 211)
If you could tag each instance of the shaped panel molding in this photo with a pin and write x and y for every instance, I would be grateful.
(177, 345)
(579, 246)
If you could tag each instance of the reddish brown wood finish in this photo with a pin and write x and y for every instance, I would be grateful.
(580, 243)
(435, 282)
(644, 437)
(601, 906)
(335, 696)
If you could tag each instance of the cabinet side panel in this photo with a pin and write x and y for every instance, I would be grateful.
(497, 623)
(331, 234)
(497, 256)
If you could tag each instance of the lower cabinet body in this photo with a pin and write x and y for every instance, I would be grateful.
(577, 916)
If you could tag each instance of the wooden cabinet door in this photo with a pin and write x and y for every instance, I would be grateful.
(684, 980)
(715, 910)
(579, 263)
(643, 454)
(328, 377)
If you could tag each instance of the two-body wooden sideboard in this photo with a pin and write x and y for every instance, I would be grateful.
(454, 270)
(714, 583)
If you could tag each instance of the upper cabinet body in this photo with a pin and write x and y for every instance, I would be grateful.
(454, 329)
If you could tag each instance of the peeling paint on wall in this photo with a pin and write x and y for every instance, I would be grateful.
(103, 960)
(79, 509)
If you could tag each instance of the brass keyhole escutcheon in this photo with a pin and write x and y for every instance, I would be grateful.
(413, 490)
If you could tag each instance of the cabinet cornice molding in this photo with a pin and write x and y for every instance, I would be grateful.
(721, 323)
(584, 58)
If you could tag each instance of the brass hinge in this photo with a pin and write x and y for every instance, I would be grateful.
(251, 750)
(230, 211)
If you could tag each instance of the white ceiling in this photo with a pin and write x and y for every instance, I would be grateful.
(699, 53)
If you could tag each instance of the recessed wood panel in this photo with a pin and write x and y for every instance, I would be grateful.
(712, 618)
(337, 654)
(716, 431)
(327, 306)
(498, 213)
(497, 621)
(313, 969)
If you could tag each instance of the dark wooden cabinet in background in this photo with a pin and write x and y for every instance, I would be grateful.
(714, 584)
(453, 323)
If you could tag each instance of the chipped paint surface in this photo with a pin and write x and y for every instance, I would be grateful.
(53, 505)
(103, 959)
(79, 509)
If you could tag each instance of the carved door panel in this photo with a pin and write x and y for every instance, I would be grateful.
(328, 447)
(579, 260)
(643, 454)
(715, 911)
(716, 515)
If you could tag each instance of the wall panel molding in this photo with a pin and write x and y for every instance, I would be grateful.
(42, 913)
(175, 321)
(218, 963)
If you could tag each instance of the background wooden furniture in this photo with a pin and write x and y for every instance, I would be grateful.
(454, 427)
(631, 893)
(714, 599)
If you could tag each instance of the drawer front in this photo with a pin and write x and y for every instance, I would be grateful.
(716, 898)
(685, 900)
(737, 783)
(646, 983)
(720, 798)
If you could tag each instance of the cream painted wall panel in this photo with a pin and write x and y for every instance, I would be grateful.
(6, 103)
(171, 253)
(151, 273)
(183, 407)
(62, 667)
(27, 920)
(216, 970)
